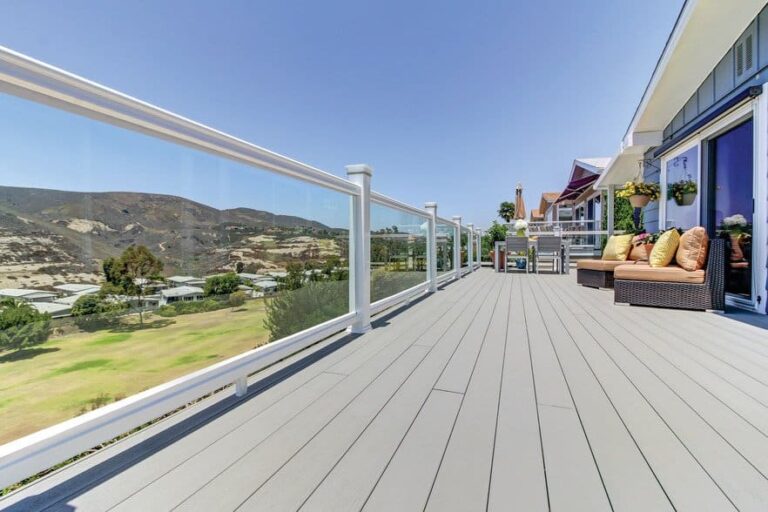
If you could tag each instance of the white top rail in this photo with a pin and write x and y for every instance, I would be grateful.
(34, 80)
(441, 220)
(397, 205)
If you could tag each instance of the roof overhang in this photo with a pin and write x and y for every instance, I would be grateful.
(703, 33)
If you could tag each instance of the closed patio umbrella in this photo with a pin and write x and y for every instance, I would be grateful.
(519, 202)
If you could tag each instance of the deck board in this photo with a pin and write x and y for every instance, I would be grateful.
(499, 392)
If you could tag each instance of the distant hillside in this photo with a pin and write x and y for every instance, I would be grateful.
(42, 228)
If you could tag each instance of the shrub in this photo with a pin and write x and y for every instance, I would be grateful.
(237, 299)
(22, 326)
(221, 285)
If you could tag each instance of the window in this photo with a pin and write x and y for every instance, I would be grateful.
(680, 193)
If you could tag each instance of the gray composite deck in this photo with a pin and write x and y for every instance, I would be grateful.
(499, 392)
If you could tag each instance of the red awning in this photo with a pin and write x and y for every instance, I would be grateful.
(576, 187)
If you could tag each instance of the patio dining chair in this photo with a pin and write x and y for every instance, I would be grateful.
(517, 249)
(549, 248)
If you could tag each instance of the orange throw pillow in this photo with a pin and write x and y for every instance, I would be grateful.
(692, 251)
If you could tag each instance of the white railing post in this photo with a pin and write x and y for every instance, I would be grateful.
(432, 246)
(479, 253)
(471, 247)
(457, 245)
(360, 249)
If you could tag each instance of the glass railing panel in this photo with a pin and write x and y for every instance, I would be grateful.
(464, 247)
(127, 261)
(445, 234)
(398, 251)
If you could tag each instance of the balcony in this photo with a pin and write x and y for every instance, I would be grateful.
(498, 389)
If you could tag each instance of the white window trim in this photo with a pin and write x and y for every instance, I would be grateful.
(694, 143)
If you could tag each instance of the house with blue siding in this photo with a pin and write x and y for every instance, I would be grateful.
(703, 122)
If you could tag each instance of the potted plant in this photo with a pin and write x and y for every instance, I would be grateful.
(736, 228)
(640, 194)
(650, 239)
(683, 192)
(520, 226)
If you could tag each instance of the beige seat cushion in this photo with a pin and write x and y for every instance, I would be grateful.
(692, 250)
(670, 274)
(602, 265)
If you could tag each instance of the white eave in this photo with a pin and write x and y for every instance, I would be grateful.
(703, 33)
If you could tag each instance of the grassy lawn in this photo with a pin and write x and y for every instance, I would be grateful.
(77, 372)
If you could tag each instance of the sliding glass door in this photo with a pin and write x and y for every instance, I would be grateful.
(731, 203)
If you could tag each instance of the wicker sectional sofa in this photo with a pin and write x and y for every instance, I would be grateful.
(672, 287)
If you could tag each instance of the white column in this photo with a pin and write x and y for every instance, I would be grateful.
(609, 205)
(360, 249)
(432, 246)
(471, 247)
(457, 246)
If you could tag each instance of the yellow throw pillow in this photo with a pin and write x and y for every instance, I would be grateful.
(665, 249)
(617, 248)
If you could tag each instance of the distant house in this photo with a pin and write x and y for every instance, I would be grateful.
(266, 286)
(150, 285)
(180, 294)
(176, 281)
(78, 289)
(547, 208)
(54, 309)
(69, 300)
(247, 276)
(27, 294)
(278, 274)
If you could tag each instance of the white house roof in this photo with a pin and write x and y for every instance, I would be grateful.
(51, 308)
(703, 33)
(277, 273)
(252, 277)
(265, 284)
(25, 293)
(70, 299)
(78, 288)
(185, 279)
(182, 291)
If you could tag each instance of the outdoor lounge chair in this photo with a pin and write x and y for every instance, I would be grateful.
(550, 248)
(673, 287)
(517, 249)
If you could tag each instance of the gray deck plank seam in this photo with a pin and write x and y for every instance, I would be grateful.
(442, 458)
(570, 393)
(245, 421)
(431, 348)
(618, 414)
(661, 417)
(699, 384)
(498, 402)
(340, 411)
(697, 412)
(536, 398)
(373, 487)
(370, 493)
(252, 448)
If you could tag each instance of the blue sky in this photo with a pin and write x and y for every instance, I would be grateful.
(449, 101)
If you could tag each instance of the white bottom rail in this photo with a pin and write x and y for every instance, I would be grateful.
(36, 452)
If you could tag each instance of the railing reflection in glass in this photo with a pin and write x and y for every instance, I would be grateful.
(445, 235)
(128, 261)
(398, 251)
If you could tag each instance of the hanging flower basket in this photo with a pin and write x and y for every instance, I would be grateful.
(639, 200)
(686, 199)
(639, 194)
(683, 191)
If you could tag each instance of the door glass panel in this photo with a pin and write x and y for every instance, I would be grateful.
(732, 195)
(683, 189)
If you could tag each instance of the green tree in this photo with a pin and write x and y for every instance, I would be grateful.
(221, 285)
(295, 278)
(239, 267)
(507, 211)
(96, 311)
(237, 299)
(22, 326)
(495, 233)
(291, 311)
(125, 274)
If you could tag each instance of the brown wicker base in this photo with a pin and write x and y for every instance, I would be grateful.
(594, 278)
(709, 295)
